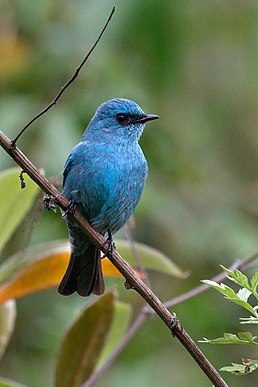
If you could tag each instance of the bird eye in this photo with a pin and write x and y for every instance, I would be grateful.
(122, 118)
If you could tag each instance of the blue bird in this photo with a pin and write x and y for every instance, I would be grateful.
(104, 176)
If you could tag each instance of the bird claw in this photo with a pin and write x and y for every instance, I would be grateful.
(70, 209)
(49, 202)
(111, 245)
(128, 285)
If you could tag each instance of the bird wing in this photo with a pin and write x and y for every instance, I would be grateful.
(68, 166)
(84, 179)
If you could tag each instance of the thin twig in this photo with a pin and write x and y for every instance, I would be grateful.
(63, 88)
(169, 319)
(240, 265)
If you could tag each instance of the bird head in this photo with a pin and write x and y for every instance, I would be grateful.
(118, 119)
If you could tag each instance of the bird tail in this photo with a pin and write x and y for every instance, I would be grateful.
(83, 274)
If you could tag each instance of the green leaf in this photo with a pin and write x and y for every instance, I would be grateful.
(7, 321)
(254, 282)
(222, 288)
(121, 319)
(82, 344)
(247, 337)
(9, 383)
(241, 369)
(231, 295)
(14, 203)
(229, 338)
(244, 305)
(237, 277)
(152, 259)
(242, 280)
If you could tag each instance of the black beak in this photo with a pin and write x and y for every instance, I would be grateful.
(146, 117)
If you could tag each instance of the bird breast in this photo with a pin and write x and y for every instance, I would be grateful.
(123, 174)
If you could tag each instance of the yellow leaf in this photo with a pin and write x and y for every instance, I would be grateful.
(44, 272)
(41, 274)
(109, 270)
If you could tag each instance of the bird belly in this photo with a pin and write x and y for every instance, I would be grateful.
(124, 194)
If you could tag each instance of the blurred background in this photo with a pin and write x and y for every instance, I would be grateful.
(193, 63)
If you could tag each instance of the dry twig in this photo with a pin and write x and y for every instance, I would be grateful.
(68, 83)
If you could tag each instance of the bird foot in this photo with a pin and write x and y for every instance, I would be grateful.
(49, 202)
(70, 209)
(111, 245)
(128, 285)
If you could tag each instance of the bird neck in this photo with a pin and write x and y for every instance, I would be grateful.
(107, 137)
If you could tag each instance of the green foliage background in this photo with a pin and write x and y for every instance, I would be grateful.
(195, 64)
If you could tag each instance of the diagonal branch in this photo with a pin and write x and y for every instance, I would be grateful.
(63, 88)
(135, 282)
